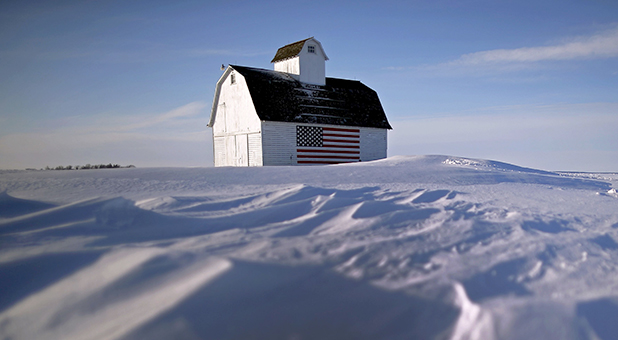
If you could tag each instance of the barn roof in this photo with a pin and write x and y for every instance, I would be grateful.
(292, 50)
(277, 96)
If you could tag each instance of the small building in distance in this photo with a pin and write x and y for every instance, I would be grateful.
(295, 114)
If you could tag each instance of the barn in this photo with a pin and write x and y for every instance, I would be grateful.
(294, 114)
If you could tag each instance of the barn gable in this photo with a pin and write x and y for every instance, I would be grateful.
(236, 127)
(233, 108)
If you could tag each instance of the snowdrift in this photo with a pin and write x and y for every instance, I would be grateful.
(422, 247)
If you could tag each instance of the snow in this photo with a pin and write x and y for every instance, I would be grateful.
(427, 247)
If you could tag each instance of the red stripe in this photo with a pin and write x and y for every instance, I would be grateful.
(332, 157)
(341, 146)
(338, 129)
(320, 162)
(340, 140)
(328, 151)
(340, 135)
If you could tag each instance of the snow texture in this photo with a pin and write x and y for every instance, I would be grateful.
(417, 247)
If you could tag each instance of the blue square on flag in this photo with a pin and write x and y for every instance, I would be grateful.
(308, 136)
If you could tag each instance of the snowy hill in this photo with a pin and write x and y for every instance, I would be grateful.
(424, 247)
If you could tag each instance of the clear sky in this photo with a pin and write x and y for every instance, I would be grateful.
(533, 83)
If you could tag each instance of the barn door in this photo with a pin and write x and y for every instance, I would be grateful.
(242, 150)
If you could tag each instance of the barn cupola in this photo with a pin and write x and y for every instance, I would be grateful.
(305, 60)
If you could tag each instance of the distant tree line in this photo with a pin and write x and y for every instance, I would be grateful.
(88, 167)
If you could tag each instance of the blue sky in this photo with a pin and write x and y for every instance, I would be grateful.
(533, 83)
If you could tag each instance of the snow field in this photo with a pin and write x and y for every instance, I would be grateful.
(407, 247)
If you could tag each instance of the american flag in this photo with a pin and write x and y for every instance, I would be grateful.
(326, 145)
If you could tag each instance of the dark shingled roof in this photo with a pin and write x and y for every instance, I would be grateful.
(279, 97)
(289, 51)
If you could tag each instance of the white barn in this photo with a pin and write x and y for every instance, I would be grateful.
(295, 114)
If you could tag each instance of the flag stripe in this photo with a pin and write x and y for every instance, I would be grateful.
(328, 151)
(339, 135)
(322, 162)
(340, 140)
(329, 157)
(342, 130)
(341, 146)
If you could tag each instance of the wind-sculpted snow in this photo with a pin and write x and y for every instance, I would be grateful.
(430, 247)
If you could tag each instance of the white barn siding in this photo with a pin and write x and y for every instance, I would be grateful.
(255, 149)
(242, 150)
(230, 151)
(279, 143)
(219, 151)
(307, 67)
(372, 144)
(291, 66)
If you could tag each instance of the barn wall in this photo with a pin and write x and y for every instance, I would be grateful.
(279, 143)
(235, 120)
(276, 145)
(372, 144)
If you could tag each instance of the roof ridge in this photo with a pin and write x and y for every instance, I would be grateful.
(285, 73)
(296, 42)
